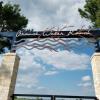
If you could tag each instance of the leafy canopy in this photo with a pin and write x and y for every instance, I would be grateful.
(91, 12)
(11, 18)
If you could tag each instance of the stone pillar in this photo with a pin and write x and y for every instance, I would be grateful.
(8, 74)
(96, 73)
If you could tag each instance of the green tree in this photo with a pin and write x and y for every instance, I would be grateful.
(11, 19)
(91, 12)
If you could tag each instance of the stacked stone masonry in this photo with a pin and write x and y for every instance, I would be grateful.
(96, 73)
(8, 74)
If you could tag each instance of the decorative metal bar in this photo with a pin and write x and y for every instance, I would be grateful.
(16, 39)
(59, 34)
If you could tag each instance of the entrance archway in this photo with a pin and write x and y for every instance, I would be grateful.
(21, 38)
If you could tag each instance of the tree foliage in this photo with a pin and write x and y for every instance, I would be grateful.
(91, 12)
(11, 18)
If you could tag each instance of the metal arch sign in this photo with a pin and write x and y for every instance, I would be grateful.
(51, 34)
(58, 34)
(16, 38)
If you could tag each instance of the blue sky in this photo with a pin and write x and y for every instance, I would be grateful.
(63, 72)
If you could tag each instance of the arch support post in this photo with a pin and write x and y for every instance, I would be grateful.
(8, 74)
(95, 61)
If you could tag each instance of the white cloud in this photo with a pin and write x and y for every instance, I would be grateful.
(27, 80)
(30, 70)
(27, 60)
(86, 78)
(86, 82)
(50, 91)
(67, 60)
(51, 73)
(48, 13)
